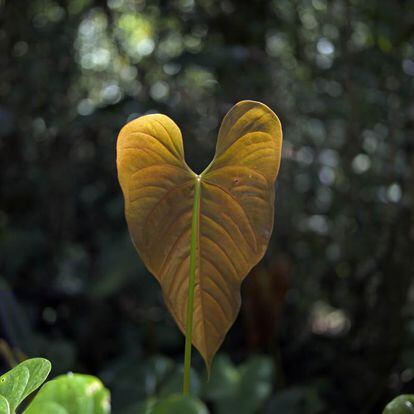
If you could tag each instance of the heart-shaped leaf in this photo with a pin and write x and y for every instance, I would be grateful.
(215, 226)
(71, 394)
(18, 383)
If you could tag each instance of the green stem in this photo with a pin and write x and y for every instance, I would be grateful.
(191, 285)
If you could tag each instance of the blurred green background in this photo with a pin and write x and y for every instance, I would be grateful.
(327, 323)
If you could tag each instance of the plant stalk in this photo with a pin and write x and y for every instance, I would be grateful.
(195, 229)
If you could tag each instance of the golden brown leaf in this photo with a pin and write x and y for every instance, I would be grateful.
(235, 211)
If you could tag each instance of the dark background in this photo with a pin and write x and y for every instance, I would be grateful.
(329, 309)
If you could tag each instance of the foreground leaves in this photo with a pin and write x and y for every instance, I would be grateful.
(233, 206)
(4, 405)
(71, 394)
(403, 404)
(242, 390)
(18, 383)
(179, 404)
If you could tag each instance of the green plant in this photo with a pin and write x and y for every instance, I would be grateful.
(200, 235)
(18, 383)
(179, 404)
(403, 404)
(67, 394)
(243, 389)
(71, 394)
(4, 405)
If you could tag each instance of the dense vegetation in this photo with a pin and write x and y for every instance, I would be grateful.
(330, 308)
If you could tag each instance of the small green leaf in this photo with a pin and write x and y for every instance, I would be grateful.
(143, 407)
(39, 369)
(12, 385)
(403, 404)
(243, 390)
(18, 383)
(4, 406)
(179, 404)
(71, 394)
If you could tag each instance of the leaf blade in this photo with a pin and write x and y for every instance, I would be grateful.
(4, 405)
(13, 384)
(39, 369)
(403, 404)
(178, 404)
(236, 212)
(71, 393)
